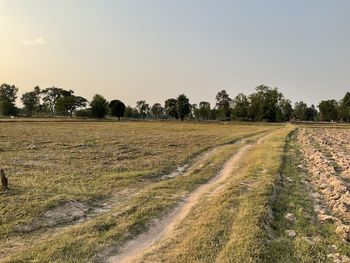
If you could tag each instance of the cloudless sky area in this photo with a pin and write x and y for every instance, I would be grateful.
(157, 49)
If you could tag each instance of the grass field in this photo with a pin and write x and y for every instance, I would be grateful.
(99, 166)
(85, 191)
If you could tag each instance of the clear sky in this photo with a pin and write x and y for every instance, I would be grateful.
(157, 49)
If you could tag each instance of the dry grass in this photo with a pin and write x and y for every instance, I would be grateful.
(228, 226)
(50, 163)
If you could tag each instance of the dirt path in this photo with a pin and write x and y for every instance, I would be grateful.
(136, 247)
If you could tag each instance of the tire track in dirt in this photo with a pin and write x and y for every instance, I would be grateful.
(135, 248)
(106, 205)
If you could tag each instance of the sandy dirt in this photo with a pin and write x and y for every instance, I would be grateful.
(135, 248)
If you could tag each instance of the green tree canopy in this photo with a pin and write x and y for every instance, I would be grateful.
(204, 110)
(31, 101)
(99, 106)
(8, 96)
(117, 108)
(299, 112)
(183, 106)
(170, 108)
(51, 95)
(67, 104)
(157, 110)
(344, 108)
(328, 110)
(240, 107)
(223, 102)
(143, 108)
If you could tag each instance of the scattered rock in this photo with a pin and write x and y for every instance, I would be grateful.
(337, 258)
(32, 147)
(326, 218)
(290, 217)
(290, 233)
(343, 231)
(289, 180)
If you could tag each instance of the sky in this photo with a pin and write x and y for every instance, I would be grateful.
(157, 49)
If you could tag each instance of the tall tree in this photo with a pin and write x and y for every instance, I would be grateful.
(31, 101)
(286, 109)
(255, 110)
(157, 110)
(344, 108)
(328, 110)
(117, 108)
(170, 108)
(270, 98)
(99, 106)
(223, 102)
(183, 106)
(204, 110)
(143, 108)
(67, 104)
(128, 111)
(240, 107)
(311, 113)
(194, 111)
(51, 95)
(299, 112)
(8, 96)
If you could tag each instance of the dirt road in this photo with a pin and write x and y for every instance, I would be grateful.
(135, 248)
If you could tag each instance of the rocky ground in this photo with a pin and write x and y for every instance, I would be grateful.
(326, 153)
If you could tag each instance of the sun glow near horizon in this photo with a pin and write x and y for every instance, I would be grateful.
(135, 50)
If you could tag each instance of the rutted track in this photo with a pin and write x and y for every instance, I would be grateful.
(135, 248)
(111, 203)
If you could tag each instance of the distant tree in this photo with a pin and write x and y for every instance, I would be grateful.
(286, 109)
(311, 113)
(268, 104)
(128, 111)
(8, 96)
(157, 110)
(299, 112)
(344, 108)
(270, 98)
(183, 106)
(31, 101)
(171, 109)
(99, 106)
(51, 95)
(213, 114)
(204, 110)
(131, 112)
(143, 108)
(194, 111)
(84, 113)
(117, 108)
(223, 102)
(67, 104)
(135, 114)
(240, 107)
(255, 110)
(328, 110)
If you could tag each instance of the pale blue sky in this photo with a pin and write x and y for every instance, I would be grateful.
(156, 49)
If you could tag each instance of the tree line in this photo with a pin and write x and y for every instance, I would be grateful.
(265, 104)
